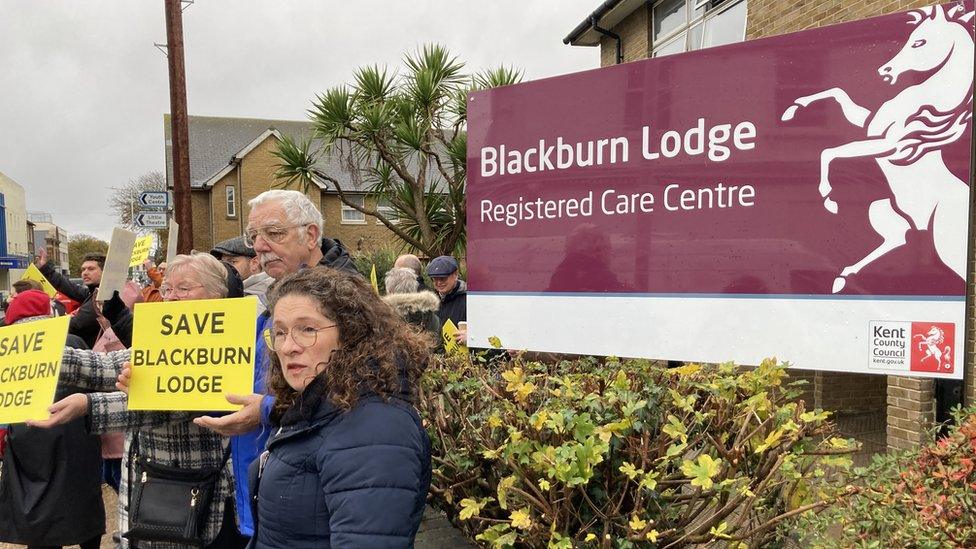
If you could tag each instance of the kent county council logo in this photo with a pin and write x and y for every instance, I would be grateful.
(932, 345)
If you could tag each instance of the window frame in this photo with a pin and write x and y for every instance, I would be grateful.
(388, 211)
(230, 201)
(683, 31)
(343, 208)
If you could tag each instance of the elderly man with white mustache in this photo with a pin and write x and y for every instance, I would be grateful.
(285, 229)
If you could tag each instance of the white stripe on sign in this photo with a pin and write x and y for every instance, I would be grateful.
(813, 334)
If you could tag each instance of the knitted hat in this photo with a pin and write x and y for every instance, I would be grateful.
(28, 304)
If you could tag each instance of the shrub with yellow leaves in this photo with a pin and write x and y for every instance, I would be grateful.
(610, 453)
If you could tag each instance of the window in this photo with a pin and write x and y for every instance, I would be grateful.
(386, 208)
(688, 25)
(231, 201)
(351, 215)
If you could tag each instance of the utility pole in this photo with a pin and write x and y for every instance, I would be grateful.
(179, 126)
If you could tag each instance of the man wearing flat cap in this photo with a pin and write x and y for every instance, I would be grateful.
(443, 272)
(234, 252)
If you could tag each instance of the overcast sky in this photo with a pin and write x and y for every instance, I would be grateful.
(84, 90)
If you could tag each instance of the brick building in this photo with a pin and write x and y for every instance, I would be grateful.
(630, 30)
(231, 162)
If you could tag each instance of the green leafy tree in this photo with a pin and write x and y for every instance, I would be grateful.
(403, 134)
(79, 246)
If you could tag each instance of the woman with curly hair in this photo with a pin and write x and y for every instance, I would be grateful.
(350, 463)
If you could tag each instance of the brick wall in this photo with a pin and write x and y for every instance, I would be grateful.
(200, 206)
(772, 17)
(911, 409)
(225, 226)
(839, 392)
(634, 33)
(356, 237)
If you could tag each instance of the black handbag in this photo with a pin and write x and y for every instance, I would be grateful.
(169, 503)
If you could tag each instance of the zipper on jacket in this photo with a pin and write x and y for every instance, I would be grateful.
(193, 497)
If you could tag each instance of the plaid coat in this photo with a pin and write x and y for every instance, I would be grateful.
(170, 438)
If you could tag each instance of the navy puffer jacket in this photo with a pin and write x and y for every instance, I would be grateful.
(334, 479)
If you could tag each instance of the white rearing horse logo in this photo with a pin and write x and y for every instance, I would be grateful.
(905, 137)
(930, 343)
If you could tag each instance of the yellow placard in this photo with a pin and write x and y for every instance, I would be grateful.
(30, 362)
(451, 346)
(33, 273)
(140, 251)
(186, 355)
(372, 279)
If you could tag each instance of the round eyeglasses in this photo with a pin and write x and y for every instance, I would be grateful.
(303, 336)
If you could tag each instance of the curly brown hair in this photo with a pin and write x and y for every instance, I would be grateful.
(379, 352)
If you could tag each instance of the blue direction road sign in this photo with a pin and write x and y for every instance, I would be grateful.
(151, 220)
(154, 199)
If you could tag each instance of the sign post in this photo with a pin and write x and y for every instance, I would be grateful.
(154, 199)
(802, 196)
(151, 220)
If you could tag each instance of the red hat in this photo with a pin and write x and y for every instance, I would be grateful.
(28, 304)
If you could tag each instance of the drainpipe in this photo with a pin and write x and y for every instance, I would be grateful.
(608, 33)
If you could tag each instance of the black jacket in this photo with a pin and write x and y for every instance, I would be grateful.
(84, 322)
(51, 482)
(335, 255)
(454, 305)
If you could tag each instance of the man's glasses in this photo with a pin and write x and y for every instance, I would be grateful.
(303, 336)
(270, 233)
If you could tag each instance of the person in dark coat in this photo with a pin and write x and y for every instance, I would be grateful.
(84, 323)
(349, 464)
(284, 228)
(443, 272)
(50, 480)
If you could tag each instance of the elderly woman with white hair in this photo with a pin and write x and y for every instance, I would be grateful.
(416, 307)
(164, 438)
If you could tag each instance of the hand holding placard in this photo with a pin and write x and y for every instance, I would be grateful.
(187, 355)
(449, 334)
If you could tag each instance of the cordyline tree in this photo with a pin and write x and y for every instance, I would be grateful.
(403, 134)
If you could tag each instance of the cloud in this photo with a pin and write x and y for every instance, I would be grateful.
(85, 90)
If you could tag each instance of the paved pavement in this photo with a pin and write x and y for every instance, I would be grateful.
(435, 531)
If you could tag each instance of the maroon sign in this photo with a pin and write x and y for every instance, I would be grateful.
(831, 161)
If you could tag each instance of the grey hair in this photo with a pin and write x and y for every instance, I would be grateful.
(298, 208)
(207, 268)
(401, 280)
